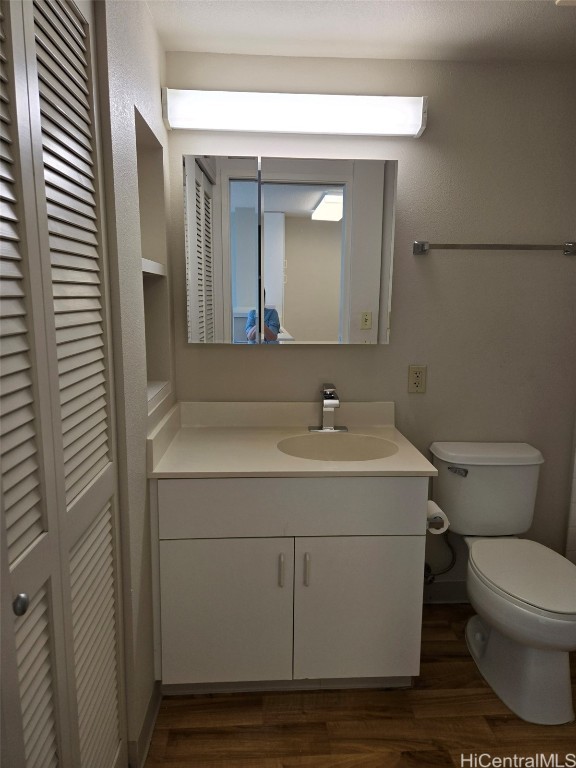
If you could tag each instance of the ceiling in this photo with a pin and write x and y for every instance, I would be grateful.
(451, 30)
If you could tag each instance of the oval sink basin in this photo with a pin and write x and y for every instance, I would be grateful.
(337, 446)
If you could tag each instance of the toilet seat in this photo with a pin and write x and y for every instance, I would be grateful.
(528, 574)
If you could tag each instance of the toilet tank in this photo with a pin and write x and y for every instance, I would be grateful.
(486, 489)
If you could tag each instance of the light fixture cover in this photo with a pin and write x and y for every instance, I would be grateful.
(295, 113)
(330, 208)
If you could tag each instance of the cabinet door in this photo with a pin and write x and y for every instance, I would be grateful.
(226, 609)
(357, 606)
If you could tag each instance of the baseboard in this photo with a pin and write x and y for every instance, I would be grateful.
(288, 685)
(138, 749)
(446, 592)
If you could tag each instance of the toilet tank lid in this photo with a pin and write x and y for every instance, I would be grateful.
(505, 454)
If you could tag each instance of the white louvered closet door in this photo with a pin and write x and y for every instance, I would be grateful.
(34, 668)
(60, 515)
(199, 254)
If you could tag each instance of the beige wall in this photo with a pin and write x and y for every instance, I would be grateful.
(312, 289)
(134, 60)
(496, 329)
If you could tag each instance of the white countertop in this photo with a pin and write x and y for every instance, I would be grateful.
(238, 450)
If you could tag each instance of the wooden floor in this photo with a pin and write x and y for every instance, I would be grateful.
(450, 713)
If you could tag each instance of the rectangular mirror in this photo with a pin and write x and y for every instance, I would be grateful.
(289, 251)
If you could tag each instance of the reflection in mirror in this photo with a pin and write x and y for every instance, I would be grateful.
(309, 241)
(302, 263)
(244, 262)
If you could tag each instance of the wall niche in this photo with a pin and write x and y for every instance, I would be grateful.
(152, 206)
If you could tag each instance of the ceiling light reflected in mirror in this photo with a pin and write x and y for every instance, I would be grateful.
(330, 208)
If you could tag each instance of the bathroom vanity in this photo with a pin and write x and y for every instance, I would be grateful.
(279, 570)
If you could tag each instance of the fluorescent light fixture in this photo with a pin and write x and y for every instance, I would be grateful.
(330, 208)
(295, 113)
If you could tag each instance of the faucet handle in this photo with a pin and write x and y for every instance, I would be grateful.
(330, 397)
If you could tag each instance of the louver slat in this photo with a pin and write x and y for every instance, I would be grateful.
(52, 104)
(94, 631)
(76, 143)
(76, 86)
(16, 427)
(79, 389)
(199, 258)
(200, 263)
(74, 172)
(33, 645)
(86, 438)
(79, 305)
(14, 382)
(79, 346)
(50, 41)
(76, 433)
(65, 36)
(70, 364)
(208, 287)
(77, 335)
(23, 507)
(21, 471)
(66, 201)
(67, 18)
(62, 245)
(58, 213)
(86, 371)
(21, 451)
(50, 115)
(6, 190)
(15, 362)
(66, 156)
(74, 262)
(56, 79)
(65, 103)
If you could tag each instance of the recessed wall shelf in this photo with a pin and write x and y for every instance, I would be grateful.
(150, 267)
(155, 287)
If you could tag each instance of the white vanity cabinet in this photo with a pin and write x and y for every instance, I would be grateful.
(281, 579)
(357, 606)
(226, 609)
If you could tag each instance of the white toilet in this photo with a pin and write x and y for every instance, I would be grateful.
(523, 592)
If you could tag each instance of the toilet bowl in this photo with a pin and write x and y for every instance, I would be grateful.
(523, 592)
(528, 590)
(521, 643)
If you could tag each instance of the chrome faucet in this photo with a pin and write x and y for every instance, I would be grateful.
(330, 402)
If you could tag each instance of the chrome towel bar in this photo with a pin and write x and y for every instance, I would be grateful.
(421, 247)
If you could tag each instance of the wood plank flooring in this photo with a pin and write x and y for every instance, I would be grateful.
(451, 712)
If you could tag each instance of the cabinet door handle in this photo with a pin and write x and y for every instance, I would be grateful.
(307, 569)
(281, 570)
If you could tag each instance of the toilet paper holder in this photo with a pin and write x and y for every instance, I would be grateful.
(436, 520)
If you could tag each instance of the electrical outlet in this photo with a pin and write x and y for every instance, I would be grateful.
(365, 321)
(417, 379)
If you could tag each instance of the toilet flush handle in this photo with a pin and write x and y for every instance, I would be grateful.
(459, 471)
